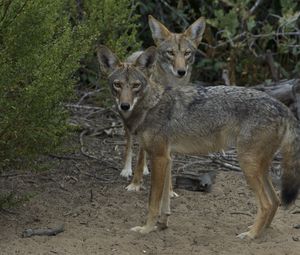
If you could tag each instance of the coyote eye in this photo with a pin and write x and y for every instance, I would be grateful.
(136, 85)
(117, 84)
(187, 53)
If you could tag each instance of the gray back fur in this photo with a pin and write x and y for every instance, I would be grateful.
(196, 119)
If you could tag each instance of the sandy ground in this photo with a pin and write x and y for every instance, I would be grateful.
(89, 198)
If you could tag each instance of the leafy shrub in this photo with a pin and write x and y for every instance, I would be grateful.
(41, 45)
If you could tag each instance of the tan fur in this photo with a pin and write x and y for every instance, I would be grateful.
(196, 120)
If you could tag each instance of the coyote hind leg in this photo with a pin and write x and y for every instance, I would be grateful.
(256, 169)
(165, 210)
(275, 200)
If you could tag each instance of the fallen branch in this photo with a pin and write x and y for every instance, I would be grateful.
(96, 177)
(87, 94)
(42, 232)
(84, 132)
(271, 63)
(282, 91)
(227, 165)
(82, 145)
(242, 213)
(64, 157)
(85, 107)
(8, 175)
(5, 210)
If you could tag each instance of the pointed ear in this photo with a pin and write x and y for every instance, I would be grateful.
(107, 59)
(195, 31)
(147, 59)
(159, 31)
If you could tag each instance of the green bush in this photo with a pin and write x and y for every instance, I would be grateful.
(41, 45)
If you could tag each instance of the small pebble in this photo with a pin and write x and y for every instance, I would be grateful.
(297, 226)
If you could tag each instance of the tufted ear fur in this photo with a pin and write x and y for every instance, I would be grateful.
(159, 31)
(147, 59)
(107, 59)
(195, 31)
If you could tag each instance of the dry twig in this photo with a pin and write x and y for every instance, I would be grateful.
(242, 213)
(271, 63)
(85, 107)
(43, 232)
(65, 157)
(87, 94)
(227, 165)
(84, 132)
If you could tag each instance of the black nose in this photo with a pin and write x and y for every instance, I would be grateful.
(125, 106)
(181, 73)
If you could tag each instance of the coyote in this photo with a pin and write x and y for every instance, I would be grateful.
(176, 54)
(197, 120)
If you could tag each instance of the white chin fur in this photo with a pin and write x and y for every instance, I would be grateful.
(126, 113)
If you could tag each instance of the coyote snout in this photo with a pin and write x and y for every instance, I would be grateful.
(178, 64)
(126, 96)
(125, 106)
(181, 72)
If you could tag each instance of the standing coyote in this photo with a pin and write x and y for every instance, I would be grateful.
(176, 54)
(197, 120)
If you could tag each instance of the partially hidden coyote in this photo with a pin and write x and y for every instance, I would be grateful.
(173, 67)
(198, 120)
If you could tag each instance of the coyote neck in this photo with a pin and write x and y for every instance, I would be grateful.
(165, 79)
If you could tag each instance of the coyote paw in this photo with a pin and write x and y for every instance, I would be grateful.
(126, 172)
(143, 230)
(133, 187)
(163, 222)
(246, 235)
(162, 225)
(145, 170)
(173, 194)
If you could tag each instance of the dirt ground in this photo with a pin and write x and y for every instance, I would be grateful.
(87, 196)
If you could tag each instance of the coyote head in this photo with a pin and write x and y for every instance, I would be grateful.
(128, 81)
(176, 51)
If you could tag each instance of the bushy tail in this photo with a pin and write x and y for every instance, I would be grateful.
(291, 164)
